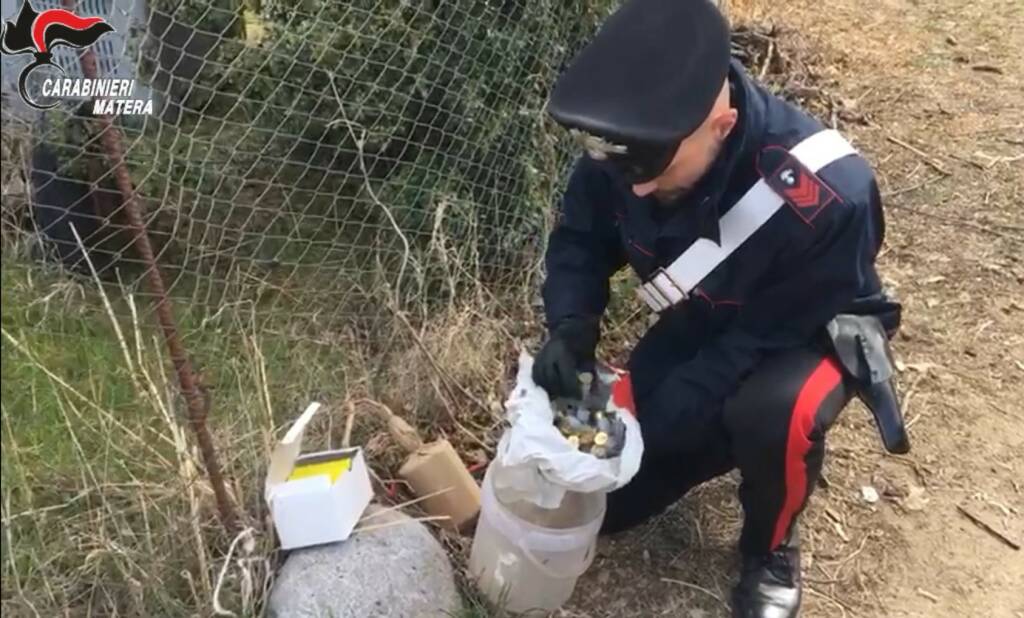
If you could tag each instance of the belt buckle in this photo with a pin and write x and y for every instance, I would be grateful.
(658, 294)
(661, 272)
(655, 303)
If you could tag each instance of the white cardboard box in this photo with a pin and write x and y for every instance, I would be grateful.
(313, 510)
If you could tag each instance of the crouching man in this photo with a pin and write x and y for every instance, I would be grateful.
(753, 230)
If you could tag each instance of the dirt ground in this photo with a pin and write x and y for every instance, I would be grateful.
(932, 92)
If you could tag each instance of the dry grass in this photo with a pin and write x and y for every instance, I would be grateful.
(81, 535)
(13, 190)
(97, 483)
(105, 511)
(745, 11)
(124, 483)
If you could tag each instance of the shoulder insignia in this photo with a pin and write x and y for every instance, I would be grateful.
(803, 190)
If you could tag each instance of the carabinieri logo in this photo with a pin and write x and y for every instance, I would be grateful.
(40, 33)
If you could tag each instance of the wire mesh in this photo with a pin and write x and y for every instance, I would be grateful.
(303, 156)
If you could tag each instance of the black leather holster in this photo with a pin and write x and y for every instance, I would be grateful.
(862, 346)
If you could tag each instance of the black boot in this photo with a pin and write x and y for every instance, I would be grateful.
(770, 583)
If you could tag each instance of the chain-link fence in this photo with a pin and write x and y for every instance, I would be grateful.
(307, 155)
(326, 166)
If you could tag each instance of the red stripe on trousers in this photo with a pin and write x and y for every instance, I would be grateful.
(823, 380)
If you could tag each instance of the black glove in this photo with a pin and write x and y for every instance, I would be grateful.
(568, 350)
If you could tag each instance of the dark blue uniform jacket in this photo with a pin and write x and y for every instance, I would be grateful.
(776, 291)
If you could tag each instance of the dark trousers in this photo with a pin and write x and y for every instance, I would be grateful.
(773, 429)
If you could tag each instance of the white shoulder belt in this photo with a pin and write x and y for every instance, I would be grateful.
(673, 284)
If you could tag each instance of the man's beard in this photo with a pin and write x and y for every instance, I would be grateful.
(667, 197)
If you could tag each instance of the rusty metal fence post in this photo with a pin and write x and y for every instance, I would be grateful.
(113, 144)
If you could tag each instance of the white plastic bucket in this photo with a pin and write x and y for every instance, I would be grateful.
(526, 559)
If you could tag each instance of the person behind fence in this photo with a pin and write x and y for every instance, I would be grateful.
(754, 232)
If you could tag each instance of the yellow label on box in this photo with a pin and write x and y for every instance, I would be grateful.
(333, 468)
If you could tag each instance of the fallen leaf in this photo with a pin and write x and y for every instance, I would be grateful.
(895, 492)
(915, 500)
(923, 367)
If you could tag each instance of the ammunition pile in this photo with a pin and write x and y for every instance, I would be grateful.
(588, 424)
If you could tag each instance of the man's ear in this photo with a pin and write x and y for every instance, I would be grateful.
(724, 123)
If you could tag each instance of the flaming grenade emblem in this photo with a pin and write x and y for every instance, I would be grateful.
(39, 33)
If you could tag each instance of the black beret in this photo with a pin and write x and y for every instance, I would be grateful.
(649, 77)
